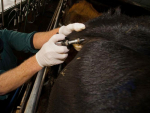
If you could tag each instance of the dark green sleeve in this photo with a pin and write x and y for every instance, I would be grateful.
(2, 71)
(19, 41)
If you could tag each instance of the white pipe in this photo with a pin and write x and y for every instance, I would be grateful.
(2, 3)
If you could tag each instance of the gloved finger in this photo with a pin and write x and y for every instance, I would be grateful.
(61, 49)
(58, 56)
(76, 27)
(63, 56)
(64, 30)
(59, 61)
(57, 37)
(70, 27)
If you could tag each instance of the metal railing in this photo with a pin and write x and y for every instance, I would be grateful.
(37, 88)
(2, 4)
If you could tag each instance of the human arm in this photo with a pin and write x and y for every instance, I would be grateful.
(25, 42)
(31, 42)
(50, 54)
(14, 78)
(40, 38)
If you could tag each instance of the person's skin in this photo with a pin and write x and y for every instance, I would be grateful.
(40, 38)
(15, 77)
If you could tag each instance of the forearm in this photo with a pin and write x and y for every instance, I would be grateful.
(40, 38)
(14, 78)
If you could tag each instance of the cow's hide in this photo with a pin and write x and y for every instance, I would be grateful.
(111, 72)
(104, 77)
(133, 33)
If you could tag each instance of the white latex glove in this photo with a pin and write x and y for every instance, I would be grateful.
(51, 54)
(66, 30)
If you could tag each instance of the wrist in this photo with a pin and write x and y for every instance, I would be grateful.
(41, 38)
(36, 57)
(35, 63)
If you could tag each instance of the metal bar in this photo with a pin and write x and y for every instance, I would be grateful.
(26, 15)
(58, 14)
(2, 3)
(52, 22)
(20, 7)
(37, 88)
(25, 96)
(40, 89)
(33, 96)
(18, 95)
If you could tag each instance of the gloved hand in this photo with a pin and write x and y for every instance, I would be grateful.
(51, 54)
(66, 30)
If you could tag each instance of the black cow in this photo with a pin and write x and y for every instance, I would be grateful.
(131, 32)
(111, 73)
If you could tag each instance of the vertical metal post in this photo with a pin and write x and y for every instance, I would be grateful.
(58, 14)
(31, 105)
(2, 12)
(20, 7)
(15, 2)
(38, 84)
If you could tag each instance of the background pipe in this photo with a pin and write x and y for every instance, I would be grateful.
(33, 96)
(37, 88)
(58, 14)
(52, 22)
(2, 12)
(25, 97)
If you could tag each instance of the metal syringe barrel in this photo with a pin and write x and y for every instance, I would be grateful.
(67, 42)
